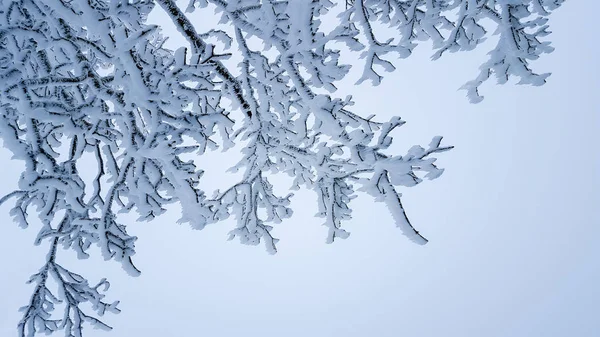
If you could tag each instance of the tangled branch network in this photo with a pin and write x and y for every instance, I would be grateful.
(81, 78)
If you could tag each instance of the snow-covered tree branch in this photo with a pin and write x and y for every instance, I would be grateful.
(92, 79)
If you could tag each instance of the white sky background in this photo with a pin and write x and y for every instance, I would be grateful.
(512, 224)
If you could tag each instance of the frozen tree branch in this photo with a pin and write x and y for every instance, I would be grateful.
(90, 81)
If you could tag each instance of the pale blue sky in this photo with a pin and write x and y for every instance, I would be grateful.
(512, 223)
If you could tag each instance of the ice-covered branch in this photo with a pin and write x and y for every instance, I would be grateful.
(456, 25)
(91, 82)
(73, 290)
(200, 48)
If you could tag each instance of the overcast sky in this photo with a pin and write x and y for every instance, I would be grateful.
(512, 223)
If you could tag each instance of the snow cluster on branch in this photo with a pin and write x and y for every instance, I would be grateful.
(92, 78)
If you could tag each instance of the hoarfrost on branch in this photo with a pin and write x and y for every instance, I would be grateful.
(91, 77)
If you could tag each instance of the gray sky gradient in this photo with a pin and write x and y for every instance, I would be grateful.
(512, 223)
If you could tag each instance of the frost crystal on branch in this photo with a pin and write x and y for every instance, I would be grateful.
(91, 79)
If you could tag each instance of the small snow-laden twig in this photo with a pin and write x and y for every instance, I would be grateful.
(73, 290)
